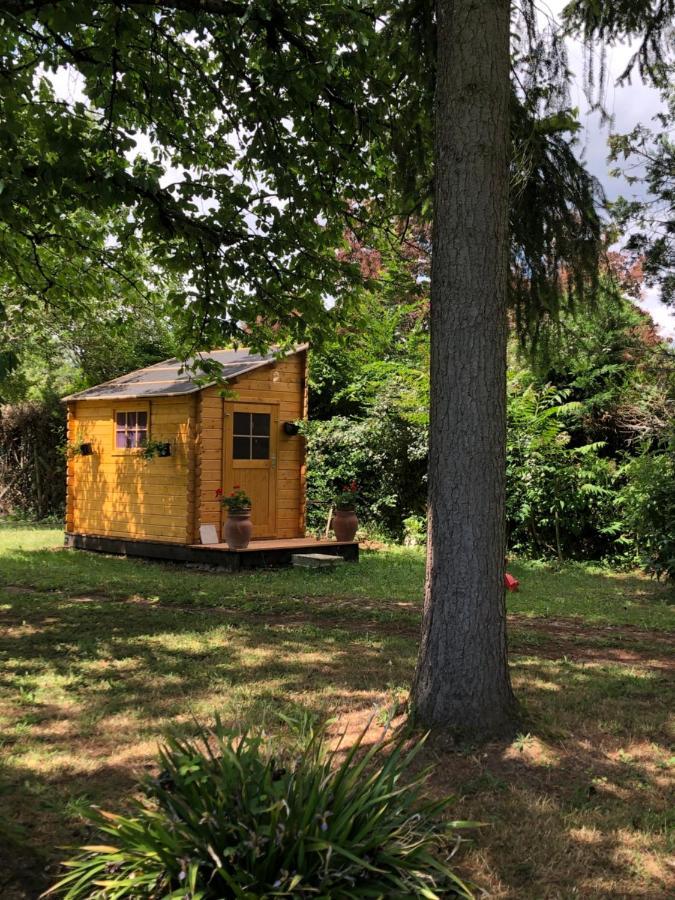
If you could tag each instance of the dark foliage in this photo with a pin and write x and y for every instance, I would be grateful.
(589, 414)
(383, 452)
(648, 506)
(32, 463)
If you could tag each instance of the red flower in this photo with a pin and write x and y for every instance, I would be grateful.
(219, 492)
(236, 486)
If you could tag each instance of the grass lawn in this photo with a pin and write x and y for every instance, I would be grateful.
(100, 655)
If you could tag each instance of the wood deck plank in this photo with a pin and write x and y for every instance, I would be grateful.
(280, 544)
(258, 554)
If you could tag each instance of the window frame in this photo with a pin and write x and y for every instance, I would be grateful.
(130, 407)
(251, 435)
(229, 463)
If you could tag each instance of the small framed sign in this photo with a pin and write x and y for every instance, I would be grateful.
(208, 534)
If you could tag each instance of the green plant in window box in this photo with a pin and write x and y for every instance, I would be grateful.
(151, 449)
(77, 448)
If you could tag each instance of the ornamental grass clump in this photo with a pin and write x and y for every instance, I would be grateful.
(229, 818)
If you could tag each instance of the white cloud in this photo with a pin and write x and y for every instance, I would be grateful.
(663, 316)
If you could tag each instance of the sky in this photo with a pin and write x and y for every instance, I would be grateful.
(627, 105)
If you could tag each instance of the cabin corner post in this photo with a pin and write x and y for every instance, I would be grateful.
(193, 471)
(303, 462)
(209, 450)
(70, 470)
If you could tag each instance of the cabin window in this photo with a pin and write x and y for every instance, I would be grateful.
(251, 436)
(131, 429)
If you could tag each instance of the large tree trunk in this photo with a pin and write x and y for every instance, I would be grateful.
(462, 683)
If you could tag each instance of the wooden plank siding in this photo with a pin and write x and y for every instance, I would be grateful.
(70, 469)
(120, 494)
(285, 383)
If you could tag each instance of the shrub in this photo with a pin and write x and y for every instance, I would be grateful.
(384, 453)
(415, 531)
(32, 470)
(559, 497)
(228, 818)
(648, 504)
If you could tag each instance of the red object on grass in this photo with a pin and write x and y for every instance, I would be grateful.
(511, 583)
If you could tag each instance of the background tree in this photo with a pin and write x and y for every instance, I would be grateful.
(231, 135)
(54, 346)
(595, 394)
(244, 142)
(647, 155)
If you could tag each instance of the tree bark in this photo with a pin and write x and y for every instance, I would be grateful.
(462, 682)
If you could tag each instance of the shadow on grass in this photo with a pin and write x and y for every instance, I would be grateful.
(576, 806)
(88, 688)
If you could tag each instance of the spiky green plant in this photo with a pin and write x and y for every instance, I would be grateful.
(229, 818)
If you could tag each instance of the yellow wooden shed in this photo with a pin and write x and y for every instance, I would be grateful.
(208, 436)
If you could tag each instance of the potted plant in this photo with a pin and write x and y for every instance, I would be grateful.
(156, 448)
(238, 526)
(79, 448)
(344, 521)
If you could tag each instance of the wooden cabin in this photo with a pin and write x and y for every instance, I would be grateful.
(212, 436)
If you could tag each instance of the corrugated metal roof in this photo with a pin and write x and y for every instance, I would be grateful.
(165, 379)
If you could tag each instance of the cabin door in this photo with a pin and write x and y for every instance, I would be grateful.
(250, 460)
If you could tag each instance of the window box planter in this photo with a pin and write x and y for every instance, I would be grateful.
(156, 448)
(80, 448)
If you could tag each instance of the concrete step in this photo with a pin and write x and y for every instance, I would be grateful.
(315, 560)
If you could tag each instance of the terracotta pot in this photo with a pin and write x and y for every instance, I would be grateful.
(345, 524)
(238, 529)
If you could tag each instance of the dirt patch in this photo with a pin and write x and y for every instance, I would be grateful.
(574, 628)
(556, 649)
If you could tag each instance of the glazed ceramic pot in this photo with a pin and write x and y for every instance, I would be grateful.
(238, 529)
(345, 524)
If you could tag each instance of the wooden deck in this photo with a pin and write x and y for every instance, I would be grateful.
(297, 545)
(258, 554)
